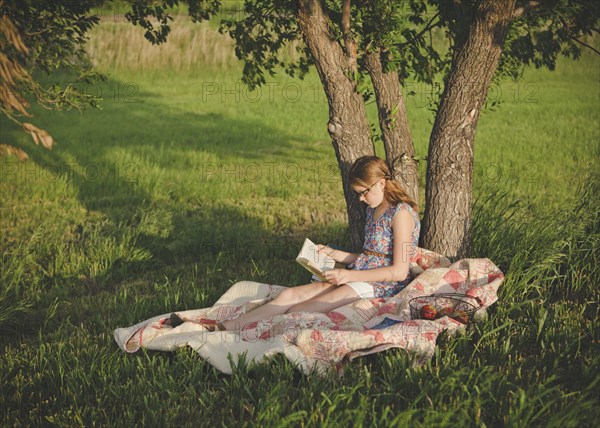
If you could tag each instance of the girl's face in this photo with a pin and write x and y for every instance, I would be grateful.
(372, 195)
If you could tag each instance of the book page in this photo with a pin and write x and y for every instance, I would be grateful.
(315, 262)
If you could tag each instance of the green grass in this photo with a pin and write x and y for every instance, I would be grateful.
(176, 190)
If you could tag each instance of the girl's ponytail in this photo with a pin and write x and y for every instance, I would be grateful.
(395, 194)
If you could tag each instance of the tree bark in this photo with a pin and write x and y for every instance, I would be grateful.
(348, 125)
(349, 42)
(393, 122)
(447, 218)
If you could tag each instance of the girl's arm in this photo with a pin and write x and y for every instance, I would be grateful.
(338, 255)
(402, 227)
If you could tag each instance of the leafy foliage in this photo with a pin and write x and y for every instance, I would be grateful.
(540, 34)
(402, 32)
(43, 36)
(55, 33)
(261, 35)
(142, 10)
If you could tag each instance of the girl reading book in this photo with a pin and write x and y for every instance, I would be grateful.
(380, 270)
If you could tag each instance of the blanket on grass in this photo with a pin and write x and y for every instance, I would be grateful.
(316, 341)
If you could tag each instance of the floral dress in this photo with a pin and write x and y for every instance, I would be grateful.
(379, 238)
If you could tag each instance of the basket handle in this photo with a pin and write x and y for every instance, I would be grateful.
(477, 299)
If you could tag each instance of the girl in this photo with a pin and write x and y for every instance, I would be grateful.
(380, 270)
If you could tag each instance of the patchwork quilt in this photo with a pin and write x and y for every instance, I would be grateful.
(318, 341)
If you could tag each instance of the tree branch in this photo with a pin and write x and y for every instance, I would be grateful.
(584, 44)
(427, 28)
(573, 37)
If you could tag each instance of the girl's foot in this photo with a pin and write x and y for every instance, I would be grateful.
(210, 325)
(175, 320)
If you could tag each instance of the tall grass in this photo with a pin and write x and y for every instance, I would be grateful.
(190, 47)
(168, 195)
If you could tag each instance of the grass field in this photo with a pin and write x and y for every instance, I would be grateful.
(185, 183)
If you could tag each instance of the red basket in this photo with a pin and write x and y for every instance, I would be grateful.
(452, 305)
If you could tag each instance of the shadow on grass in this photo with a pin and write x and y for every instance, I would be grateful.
(159, 219)
(147, 166)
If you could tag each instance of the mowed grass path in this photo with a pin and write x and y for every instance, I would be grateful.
(186, 182)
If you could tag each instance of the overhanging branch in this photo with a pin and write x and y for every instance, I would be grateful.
(574, 37)
(584, 44)
(427, 28)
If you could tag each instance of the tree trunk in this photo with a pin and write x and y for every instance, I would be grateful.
(447, 218)
(393, 122)
(348, 125)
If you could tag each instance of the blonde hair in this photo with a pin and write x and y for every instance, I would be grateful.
(367, 170)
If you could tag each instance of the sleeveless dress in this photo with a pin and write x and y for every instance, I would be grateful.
(379, 239)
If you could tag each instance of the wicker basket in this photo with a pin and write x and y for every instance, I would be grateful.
(454, 305)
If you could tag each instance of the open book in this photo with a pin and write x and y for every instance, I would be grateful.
(314, 262)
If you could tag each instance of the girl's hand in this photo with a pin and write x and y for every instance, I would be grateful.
(338, 276)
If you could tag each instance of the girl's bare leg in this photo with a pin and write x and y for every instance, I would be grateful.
(326, 302)
(282, 303)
